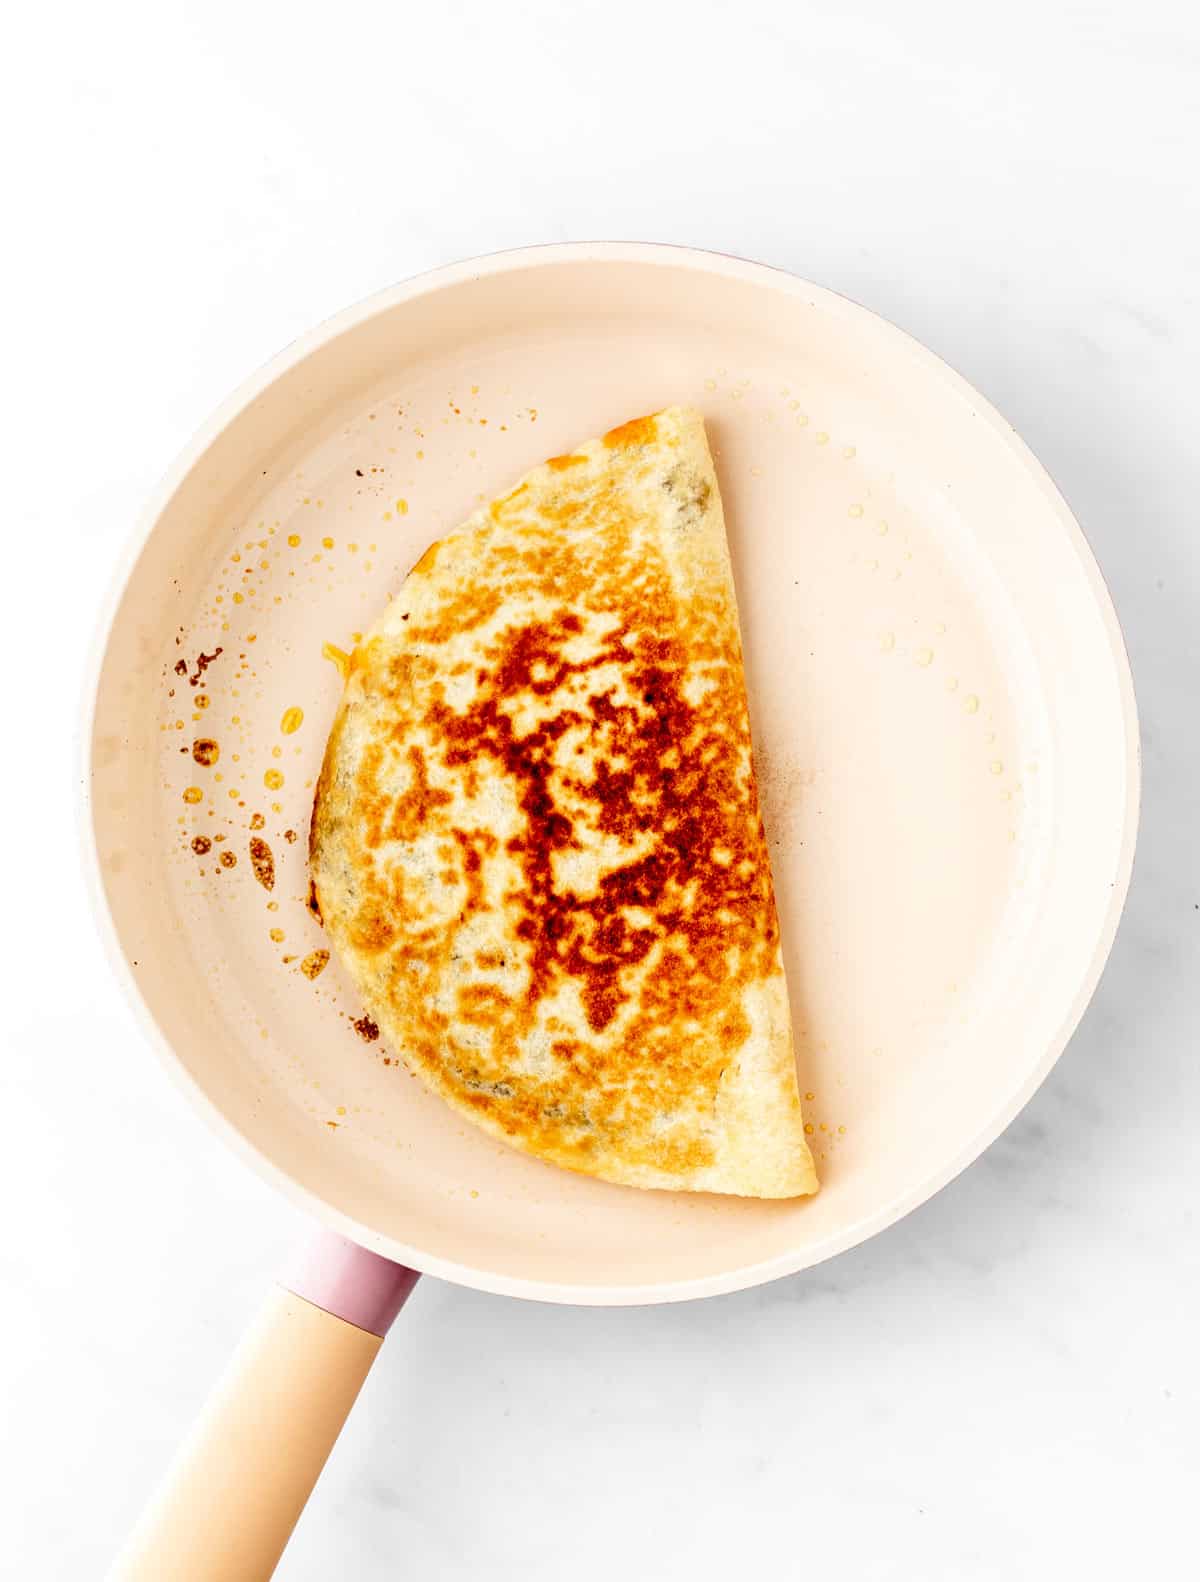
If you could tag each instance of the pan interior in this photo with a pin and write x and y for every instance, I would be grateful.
(939, 699)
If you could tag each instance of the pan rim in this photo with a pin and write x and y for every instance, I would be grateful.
(771, 277)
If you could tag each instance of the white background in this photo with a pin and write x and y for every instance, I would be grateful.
(1005, 1385)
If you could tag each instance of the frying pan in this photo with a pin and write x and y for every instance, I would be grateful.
(947, 751)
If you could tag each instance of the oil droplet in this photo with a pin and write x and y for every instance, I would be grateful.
(808, 1128)
(337, 656)
(923, 657)
(971, 703)
(809, 1097)
(277, 935)
(205, 751)
(996, 766)
(237, 598)
(262, 859)
(841, 1131)
(228, 860)
(292, 720)
(202, 700)
(314, 963)
(201, 844)
(402, 507)
(257, 821)
(855, 510)
(193, 794)
(277, 751)
(327, 543)
(882, 529)
(887, 642)
(273, 779)
(293, 541)
(822, 438)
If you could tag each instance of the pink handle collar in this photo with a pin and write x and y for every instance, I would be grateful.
(346, 1280)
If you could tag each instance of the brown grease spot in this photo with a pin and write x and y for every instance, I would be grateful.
(205, 751)
(203, 661)
(201, 844)
(314, 963)
(366, 1029)
(262, 859)
(257, 821)
(228, 859)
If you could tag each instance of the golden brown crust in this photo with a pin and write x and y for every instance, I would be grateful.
(536, 841)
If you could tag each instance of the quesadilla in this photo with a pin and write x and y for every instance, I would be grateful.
(536, 843)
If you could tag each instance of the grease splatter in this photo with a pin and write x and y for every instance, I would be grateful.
(263, 860)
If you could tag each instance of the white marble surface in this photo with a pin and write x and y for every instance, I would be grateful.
(1004, 1386)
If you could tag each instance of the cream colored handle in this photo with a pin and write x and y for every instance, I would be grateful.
(236, 1489)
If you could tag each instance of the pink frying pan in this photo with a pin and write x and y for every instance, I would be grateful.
(947, 749)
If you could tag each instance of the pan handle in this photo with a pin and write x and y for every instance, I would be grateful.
(236, 1489)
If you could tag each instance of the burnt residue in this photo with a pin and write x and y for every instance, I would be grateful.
(366, 1029)
(262, 859)
(203, 661)
(314, 903)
